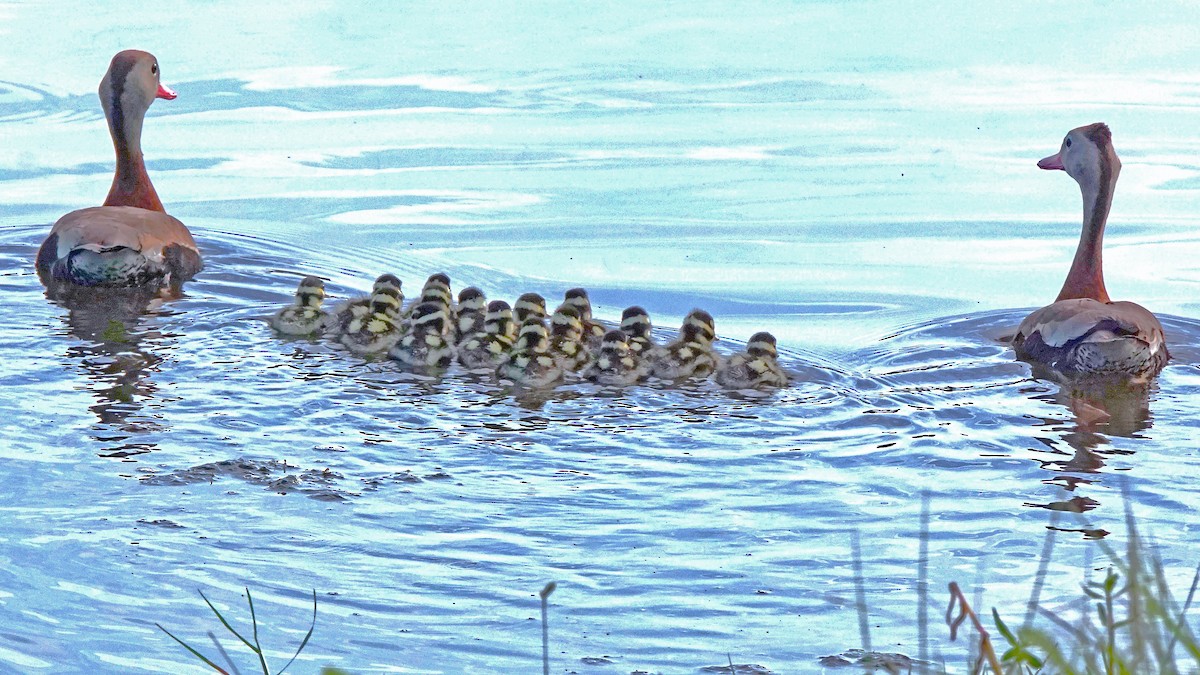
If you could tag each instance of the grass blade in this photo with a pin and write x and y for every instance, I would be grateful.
(197, 654)
(306, 636)
(224, 622)
(262, 660)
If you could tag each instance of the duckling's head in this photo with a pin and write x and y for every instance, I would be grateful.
(386, 301)
(635, 322)
(615, 340)
(578, 298)
(529, 304)
(498, 319)
(471, 299)
(698, 326)
(762, 344)
(1087, 155)
(566, 322)
(310, 292)
(386, 280)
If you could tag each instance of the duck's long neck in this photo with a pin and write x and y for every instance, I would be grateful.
(131, 184)
(1086, 278)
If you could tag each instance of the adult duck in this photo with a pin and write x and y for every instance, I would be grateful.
(1084, 335)
(130, 240)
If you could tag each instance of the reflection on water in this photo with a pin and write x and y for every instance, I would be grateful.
(119, 356)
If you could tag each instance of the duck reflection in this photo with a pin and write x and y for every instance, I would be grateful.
(114, 350)
(1099, 413)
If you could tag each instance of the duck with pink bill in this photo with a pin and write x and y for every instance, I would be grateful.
(130, 240)
(1084, 335)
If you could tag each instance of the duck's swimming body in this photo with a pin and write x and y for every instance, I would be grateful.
(130, 240)
(1084, 335)
(530, 364)
(489, 347)
(615, 363)
(756, 368)
(346, 311)
(426, 344)
(376, 331)
(304, 316)
(692, 355)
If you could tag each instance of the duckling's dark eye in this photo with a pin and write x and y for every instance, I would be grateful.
(1067, 142)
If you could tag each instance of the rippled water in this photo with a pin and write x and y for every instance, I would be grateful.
(869, 199)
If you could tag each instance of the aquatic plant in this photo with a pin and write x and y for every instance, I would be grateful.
(253, 644)
(545, 595)
(1128, 623)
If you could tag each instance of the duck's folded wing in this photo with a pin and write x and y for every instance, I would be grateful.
(1086, 320)
(105, 228)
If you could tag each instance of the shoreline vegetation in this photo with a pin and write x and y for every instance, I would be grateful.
(1128, 622)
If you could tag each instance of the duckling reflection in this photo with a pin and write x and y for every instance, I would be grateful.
(118, 365)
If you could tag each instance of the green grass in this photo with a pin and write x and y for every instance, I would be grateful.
(252, 644)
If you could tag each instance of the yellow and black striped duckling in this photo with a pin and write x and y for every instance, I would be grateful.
(377, 330)
(756, 367)
(436, 289)
(593, 332)
(489, 347)
(615, 363)
(345, 311)
(692, 354)
(529, 305)
(304, 316)
(636, 324)
(566, 339)
(425, 345)
(529, 364)
(469, 316)
(341, 315)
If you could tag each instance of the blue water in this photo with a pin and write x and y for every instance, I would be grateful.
(858, 179)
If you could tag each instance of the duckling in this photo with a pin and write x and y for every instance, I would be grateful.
(344, 312)
(499, 320)
(529, 305)
(469, 318)
(377, 330)
(566, 339)
(529, 364)
(436, 289)
(692, 354)
(489, 347)
(578, 298)
(304, 316)
(426, 344)
(615, 363)
(756, 367)
(636, 324)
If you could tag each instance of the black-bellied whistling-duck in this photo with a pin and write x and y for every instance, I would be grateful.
(1084, 335)
(130, 240)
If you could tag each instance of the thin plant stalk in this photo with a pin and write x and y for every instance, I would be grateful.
(545, 594)
(860, 595)
(956, 619)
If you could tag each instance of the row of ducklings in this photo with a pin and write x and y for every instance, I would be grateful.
(515, 342)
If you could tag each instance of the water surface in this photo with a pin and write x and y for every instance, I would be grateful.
(814, 171)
